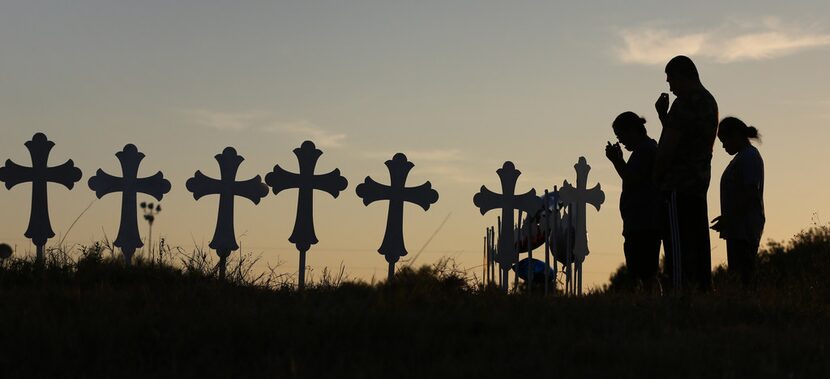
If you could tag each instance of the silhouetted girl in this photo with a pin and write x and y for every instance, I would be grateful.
(741, 222)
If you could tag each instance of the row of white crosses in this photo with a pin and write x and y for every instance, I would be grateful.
(227, 187)
(560, 215)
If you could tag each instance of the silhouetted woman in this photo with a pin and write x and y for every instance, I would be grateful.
(741, 222)
(639, 206)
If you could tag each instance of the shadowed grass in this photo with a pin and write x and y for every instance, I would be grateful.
(93, 317)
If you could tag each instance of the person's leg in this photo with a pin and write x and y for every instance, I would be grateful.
(651, 260)
(752, 262)
(741, 256)
(686, 231)
(642, 254)
(696, 253)
(666, 235)
(733, 258)
(703, 246)
(632, 263)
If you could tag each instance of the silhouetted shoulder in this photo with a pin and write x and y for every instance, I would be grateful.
(650, 146)
(688, 112)
(642, 158)
(750, 165)
(706, 103)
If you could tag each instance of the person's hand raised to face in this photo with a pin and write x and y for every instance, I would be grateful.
(614, 152)
(662, 105)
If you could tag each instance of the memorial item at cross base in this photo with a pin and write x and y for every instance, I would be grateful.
(578, 197)
(508, 202)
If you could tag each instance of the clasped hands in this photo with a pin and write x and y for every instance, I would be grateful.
(614, 152)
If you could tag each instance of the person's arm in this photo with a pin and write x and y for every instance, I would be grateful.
(669, 139)
(666, 148)
(717, 224)
(750, 175)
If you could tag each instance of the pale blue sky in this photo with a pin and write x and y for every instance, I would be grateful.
(460, 86)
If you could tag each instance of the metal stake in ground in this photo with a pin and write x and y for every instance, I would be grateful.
(305, 182)
(397, 193)
(40, 229)
(579, 197)
(491, 255)
(487, 200)
(531, 230)
(546, 232)
(130, 185)
(553, 233)
(224, 238)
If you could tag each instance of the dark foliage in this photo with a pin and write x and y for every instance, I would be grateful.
(95, 318)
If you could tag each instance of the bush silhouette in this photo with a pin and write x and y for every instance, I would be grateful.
(94, 317)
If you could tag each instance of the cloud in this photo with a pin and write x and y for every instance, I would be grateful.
(226, 121)
(264, 122)
(304, 129)
(432, 155)
(447, 164)
(455, 173)
(654, 46)
(731, 42)
(768, 45)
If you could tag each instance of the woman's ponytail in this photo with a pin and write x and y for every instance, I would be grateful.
(735, 125)
(751, 132)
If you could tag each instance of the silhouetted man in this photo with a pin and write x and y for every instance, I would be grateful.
(683, 169)
(639, 201)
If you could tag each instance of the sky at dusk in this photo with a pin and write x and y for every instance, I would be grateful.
(458, 86)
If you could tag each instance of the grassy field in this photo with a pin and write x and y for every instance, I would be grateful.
(92, 317)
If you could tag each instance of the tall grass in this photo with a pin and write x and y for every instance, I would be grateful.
(796, 269)
(85, 315)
